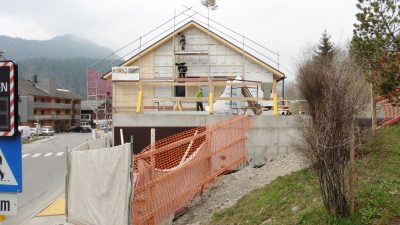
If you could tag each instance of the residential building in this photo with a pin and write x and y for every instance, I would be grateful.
(45, 102)
(152, 89)
(93, 112)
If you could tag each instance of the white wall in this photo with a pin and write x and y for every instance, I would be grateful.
(223, 60)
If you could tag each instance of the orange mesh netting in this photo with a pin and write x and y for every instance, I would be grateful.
(174, 170)
(391, 113)
(391, 108)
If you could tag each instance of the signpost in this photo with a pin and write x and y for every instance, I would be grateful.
(10, 140)
(8, 96)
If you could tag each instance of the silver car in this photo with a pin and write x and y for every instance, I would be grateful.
(47, 131)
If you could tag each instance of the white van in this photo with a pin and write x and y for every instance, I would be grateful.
(25, 131)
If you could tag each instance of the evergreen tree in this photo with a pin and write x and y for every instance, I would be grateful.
(376, 42)
(325, 47)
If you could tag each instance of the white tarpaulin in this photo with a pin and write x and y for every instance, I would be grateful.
(100, 143)
(99, 186)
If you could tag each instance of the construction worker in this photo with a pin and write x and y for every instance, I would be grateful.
(182, 69)
(199, 105)
(182, 41)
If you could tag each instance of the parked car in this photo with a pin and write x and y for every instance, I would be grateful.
(47, 131)
(86, 127)
(79, 129)
(36, 131)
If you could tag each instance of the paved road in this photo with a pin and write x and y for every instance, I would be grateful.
(43, 173)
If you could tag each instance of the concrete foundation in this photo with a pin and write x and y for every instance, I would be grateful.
(269, 136)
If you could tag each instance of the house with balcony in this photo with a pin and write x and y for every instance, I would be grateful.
(45, 102)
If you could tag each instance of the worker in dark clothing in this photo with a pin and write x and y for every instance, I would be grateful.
(199, 105)
(182, 69)
(182, 41)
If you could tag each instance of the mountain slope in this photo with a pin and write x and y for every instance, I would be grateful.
(69, 73)
(61, 47)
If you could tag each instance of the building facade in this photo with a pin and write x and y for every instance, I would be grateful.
(44, 102)
(209, 60)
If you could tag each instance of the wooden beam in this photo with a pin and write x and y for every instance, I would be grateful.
(275, 98)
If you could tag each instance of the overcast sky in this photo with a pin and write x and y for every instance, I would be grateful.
(287, 26)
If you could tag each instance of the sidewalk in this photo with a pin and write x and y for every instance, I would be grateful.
(54, 214)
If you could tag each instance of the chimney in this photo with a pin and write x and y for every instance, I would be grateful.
(35, 79)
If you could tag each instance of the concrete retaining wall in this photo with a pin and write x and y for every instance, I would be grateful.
(269, 136)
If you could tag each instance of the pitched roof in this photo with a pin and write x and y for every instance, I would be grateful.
(26, 87)
(64, 93)
(277, 74)
(92, 104)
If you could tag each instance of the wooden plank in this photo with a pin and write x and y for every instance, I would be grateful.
(191, 53)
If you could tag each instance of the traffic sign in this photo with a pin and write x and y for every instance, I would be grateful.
(8, 204)
(10, 164)
(8, 98)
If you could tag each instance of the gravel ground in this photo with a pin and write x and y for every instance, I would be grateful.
(230, 188)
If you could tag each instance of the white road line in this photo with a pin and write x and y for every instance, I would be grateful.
(36, 155)
(25, 155)
(48, 154)
(60, 154)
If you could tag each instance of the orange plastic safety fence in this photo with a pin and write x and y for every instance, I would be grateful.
(391, 113)
(177, 168)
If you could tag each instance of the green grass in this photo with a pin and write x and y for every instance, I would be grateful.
(377, 192)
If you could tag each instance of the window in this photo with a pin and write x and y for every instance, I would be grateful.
(58, 112)
(42, 112)
(180, 91)
(58, 101)
(42, 99)
(85, 117)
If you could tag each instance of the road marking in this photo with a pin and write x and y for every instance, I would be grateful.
(55, 208)
(36, 155)
(48, 154)
(60, 154)
(25, 155)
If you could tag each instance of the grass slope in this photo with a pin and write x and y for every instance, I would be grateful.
(377, 192)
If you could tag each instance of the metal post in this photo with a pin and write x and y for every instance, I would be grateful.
(208, 40)
(140, 57)
(243, 59)
(373, 110)
(173, 49)
(283, 91)
(153, 166)
(131, 195)
(351, 178)
(231, 100)
(68, 168)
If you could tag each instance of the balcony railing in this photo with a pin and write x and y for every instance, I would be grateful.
(48, 105)
(56, 117)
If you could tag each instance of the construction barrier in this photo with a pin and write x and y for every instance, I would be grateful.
(100, 143)
(98, 184)
(171, 172)
(391, 113)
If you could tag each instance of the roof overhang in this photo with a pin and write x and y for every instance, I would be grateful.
(278, 75)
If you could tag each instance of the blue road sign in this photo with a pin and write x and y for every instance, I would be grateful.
(11, 164)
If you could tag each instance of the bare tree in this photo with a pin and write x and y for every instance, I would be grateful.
(331, 86)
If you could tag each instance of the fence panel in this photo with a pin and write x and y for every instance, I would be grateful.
(172, 172)
(99, 185)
